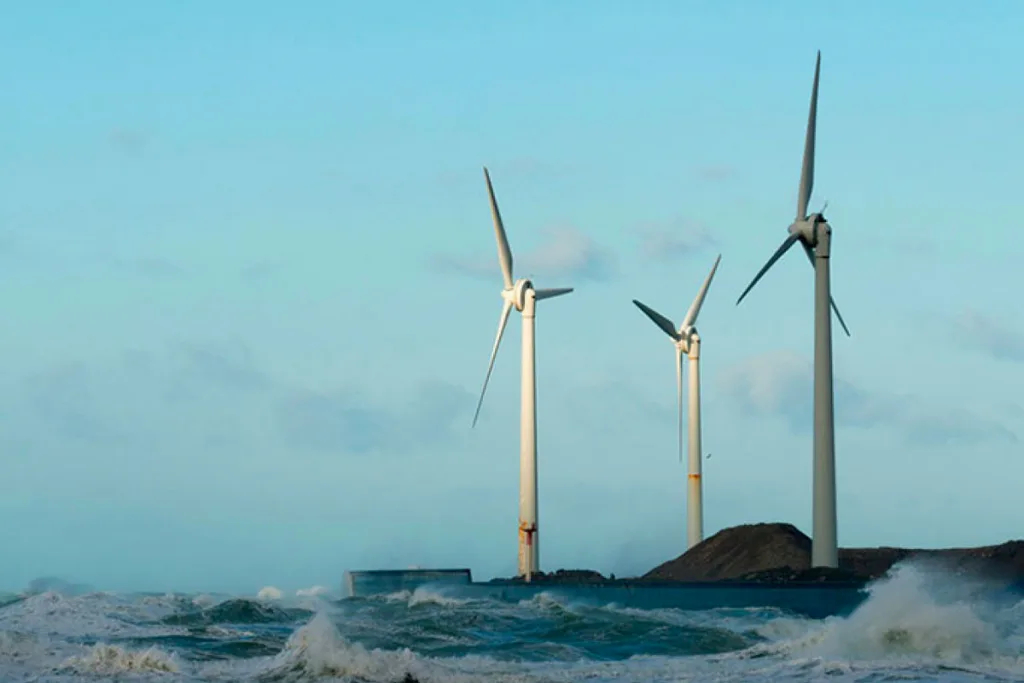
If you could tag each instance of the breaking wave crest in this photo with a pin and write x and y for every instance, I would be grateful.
(919, 618)
(917, 624)
(111, 660)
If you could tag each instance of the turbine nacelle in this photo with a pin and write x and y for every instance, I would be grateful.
(686, 338)
(517, 294)
(809, 231)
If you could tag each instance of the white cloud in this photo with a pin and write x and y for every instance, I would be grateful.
(566, 253)
(989, 335)
(780, 384)
(672, 240)
(716, 173)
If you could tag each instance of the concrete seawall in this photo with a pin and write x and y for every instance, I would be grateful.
(360, 584)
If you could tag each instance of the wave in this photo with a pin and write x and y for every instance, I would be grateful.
(919, 612)
(917, 623)
(238, 611)
(112, 660)
(270, 593)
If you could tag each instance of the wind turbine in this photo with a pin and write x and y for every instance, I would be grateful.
(687, 341)
(814, 234)
(521, 295)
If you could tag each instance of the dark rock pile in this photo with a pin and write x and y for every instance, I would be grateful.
(777, 553)
(1005, 560)
(790, 575)
(739, 551)
(781, 553)
(573, 576)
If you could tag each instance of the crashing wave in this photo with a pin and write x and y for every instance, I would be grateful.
(112, 660)
(270, 593)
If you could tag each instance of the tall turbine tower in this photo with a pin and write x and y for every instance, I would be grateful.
(687, 341)
(815, 236)
(521, 295)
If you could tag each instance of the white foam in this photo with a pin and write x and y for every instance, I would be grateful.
(93, 615)
(917, 624)
(317, 650)
(429, 596)
(918, 616)
(270, 593)
(112, 660)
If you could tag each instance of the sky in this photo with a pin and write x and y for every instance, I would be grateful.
(252, 282)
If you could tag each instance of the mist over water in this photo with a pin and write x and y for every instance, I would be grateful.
(917, 625)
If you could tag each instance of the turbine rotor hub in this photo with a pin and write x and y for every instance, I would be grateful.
(804, 229)
(518, 293)
(687, 337)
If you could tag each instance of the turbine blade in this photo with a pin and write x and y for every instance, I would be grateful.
(809, 252)
(504, 253)
(832, 301)
(542, 294)
(807, 172)
(679, 396)
(691, 315)
(659, 320)
(775, 257)
(835, 309)
(505, 311)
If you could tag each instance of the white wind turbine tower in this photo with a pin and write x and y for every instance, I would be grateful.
(687, 341)
(814, 233)
(521, 295)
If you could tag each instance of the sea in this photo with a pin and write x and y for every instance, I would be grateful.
(914, 626)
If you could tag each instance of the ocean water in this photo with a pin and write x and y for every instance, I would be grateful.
(916, 625)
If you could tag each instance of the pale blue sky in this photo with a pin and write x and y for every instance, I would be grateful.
(251, 280)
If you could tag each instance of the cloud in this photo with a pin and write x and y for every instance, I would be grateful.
(566, 253)
(603, 401)
(346, 421)
(263, 270)
(524, 168)
(715, 173)
(229, 365)
(148, 266)
(673, 240)
(8, 242)
(63, 397)
(912, 246)
(216, 392)
(781, 384)
(894, 245)
(989, 335)
(128, 141)
(139, 396)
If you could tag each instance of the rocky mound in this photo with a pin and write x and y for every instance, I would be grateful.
(790, 575)
(574, 576)
(780, 552)
(1005, 560)
(739, 551)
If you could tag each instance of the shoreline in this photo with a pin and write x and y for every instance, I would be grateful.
(779, 553)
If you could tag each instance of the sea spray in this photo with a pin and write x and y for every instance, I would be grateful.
(75, 639)
(920, 613)
(269, 593)
(317, 650)
(110, 660)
